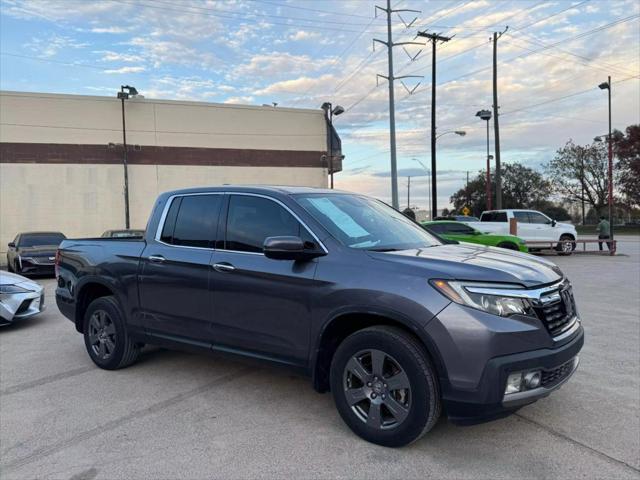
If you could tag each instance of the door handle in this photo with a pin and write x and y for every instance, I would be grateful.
(223, 267)
(156, 258)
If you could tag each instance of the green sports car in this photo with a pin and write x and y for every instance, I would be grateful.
(464, 233)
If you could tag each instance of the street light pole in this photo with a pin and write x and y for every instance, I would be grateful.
(330, 111)
(607, 86)
(122, 95)
(486, 115)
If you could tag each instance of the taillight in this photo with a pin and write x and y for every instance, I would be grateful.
(57, 264)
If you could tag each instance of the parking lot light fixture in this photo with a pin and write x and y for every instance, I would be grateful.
(330, 111)
(126, 91)
(486, 116)
(607, 86)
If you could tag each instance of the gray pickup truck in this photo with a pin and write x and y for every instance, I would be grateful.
(396, 323)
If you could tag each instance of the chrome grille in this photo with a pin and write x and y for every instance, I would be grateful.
(42, 260)
(557, 310)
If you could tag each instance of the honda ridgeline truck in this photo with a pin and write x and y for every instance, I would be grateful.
(398, 325)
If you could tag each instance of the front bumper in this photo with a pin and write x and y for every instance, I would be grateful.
(36, 266)
(19, 306)
(489, 401)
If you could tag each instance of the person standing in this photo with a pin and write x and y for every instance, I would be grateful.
(604, 232)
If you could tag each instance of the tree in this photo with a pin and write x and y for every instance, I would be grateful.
(579, 173)
(522, 187)
(551, 210)
(627, 150)
(445, 212)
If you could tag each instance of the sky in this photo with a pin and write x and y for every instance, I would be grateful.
(301, 53)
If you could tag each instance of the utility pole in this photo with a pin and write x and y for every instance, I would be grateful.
(467, 190)
(434, 38)
(392, 113)
(409, 191)
(496, 128)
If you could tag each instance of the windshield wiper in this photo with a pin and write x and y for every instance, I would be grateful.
(383, 249)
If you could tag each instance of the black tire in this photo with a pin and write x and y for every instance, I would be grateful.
(420, 403)
(563, 248)
(509, 246)
(106, 337)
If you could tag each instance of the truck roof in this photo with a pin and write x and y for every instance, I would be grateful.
(281, 189)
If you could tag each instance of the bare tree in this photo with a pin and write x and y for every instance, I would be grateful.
(579, 173)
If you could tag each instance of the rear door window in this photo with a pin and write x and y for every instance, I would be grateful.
(192, 221)
(521, 217)
(459, 229)
(494, 217)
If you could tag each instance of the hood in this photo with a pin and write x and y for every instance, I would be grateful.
(38, 250)
(477, 263)
(566, 225)
(7, 278)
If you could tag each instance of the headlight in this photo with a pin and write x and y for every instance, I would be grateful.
(12, 289)
(502, 305)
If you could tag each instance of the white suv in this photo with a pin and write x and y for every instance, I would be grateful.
(533, 226)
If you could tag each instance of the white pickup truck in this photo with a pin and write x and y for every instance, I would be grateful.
(533, 226)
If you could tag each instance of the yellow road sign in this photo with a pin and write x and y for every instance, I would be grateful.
(466, 211)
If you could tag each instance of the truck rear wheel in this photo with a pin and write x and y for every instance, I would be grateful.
(105, 335)
(384, 386)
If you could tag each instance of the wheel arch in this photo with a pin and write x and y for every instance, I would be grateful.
(341, 325)
(87, 293)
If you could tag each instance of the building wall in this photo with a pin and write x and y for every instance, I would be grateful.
(58, 172)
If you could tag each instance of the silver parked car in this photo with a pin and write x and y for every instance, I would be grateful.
(20, 298)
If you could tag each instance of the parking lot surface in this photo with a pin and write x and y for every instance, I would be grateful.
(179, 415)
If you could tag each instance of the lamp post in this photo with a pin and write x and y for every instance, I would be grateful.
(122, 95)
(461, 133)
(330, 111)
(486, 115)
(428, 172)
(607, 86)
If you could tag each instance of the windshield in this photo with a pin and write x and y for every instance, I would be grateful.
(365, 223)
(41, 239)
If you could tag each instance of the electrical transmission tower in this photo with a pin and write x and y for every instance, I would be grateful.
(390, 78)
(496, 128)
(434, 38)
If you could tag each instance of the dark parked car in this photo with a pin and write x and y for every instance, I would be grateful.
(33, 252)
(396, 324)
(123, 233)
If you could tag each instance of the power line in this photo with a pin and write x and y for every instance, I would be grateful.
(209, 13)
(255, 14)
(297, 7)
(563, 97)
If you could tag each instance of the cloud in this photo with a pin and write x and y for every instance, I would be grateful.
(303, 35)
(109, 56)
(277, 64)
(47, 47)
(122, 70)
(298, 85)
(171, 52)
(114, 30)
(240, 100)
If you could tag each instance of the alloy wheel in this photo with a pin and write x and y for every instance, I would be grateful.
(102, 334)
(377, 389)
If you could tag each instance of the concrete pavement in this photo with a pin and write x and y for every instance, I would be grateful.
(178, 415)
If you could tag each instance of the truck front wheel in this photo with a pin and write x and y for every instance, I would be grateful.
(384, 386)
(105, 335)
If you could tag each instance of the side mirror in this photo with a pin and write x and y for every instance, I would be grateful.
(553, 223)
(288, 248)
(11, 245)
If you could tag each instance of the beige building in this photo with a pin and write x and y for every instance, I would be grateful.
(61, 156)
